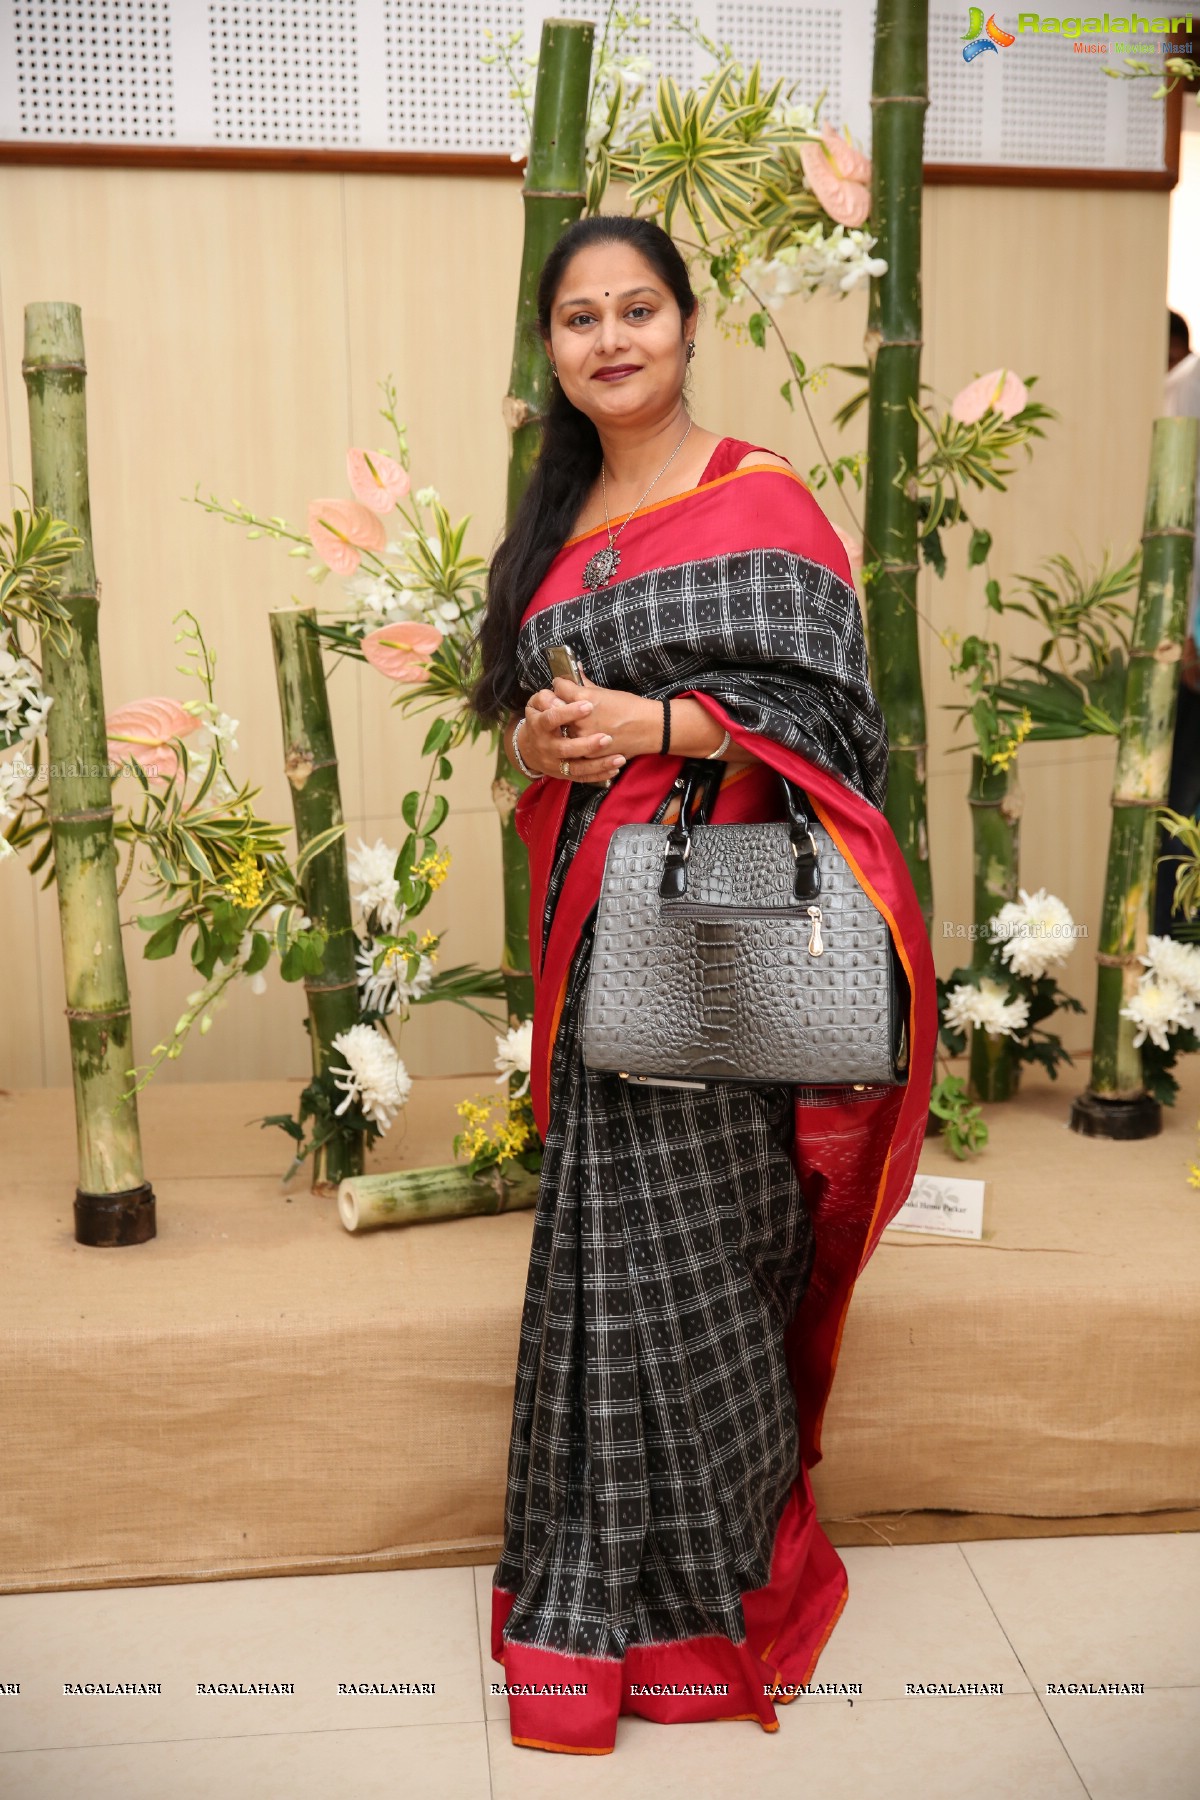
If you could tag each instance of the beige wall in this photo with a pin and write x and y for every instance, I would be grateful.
(236, 328)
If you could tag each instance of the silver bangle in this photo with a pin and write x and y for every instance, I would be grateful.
(530, 774)
(720, 750)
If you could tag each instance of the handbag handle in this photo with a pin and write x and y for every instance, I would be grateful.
(701, 777)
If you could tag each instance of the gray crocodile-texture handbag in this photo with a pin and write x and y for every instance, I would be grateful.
(741, 952)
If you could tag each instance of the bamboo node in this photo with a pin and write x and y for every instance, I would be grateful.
(1168, 651)
(515, 411)
(37, 367)
(1137, 800)
(1123, 959)
(298, 766)
(314, 983)
(82, 813)
(86, 1012)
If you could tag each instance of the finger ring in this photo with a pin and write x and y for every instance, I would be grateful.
(564, 768)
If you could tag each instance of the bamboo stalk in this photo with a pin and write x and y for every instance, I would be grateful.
(417, 1196)
(553, 196)
(310, 763)
(893, 347)
(995, 805)
(114, 1203)
(1116, 1103)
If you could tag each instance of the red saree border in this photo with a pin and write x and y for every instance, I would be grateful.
(788, 1621)
(687, 494)
(760, 507)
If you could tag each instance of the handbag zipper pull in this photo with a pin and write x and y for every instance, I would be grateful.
(815, 946)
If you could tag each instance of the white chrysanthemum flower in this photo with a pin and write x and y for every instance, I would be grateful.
(514, 1054)
(1169, 960)
(986, 1007)
(1158, 1007)
(258, 981)
(390, 987)
(375, 592)
(1035, 933)
(372, 870)
(374, 1074)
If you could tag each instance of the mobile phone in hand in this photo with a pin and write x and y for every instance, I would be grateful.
(563, 661)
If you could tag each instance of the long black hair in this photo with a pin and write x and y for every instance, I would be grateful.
(568, 463)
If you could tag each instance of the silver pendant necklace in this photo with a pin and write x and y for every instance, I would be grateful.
(601, 567)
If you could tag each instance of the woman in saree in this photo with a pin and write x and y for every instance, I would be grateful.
(694, 1252)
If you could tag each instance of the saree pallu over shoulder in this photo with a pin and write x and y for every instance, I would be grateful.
(673, 1234)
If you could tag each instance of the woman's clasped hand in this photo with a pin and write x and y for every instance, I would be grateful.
(585, 751)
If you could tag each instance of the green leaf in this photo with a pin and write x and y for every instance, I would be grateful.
(316, 845)
(992, 591)
(757, 326)
(439, 807)
(260, 953)
(164, 942)
(437, 737)
(409, 808)
(977, 549)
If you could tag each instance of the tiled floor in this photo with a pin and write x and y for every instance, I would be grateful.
(1025, 1613)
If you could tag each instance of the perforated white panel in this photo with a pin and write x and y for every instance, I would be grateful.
(283, 71)
(406, 75)
(439, 95)
(91, 69)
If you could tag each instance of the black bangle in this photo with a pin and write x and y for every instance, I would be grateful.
(666, 737)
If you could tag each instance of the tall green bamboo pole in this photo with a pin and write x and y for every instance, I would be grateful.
(310, 763)
(553, 197)
(893, 348)
(995, 803)
(1116, 1103)
(114, 1203)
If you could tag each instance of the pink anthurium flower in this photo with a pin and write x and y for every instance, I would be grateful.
(376, 480)
(853, 549)
(140, 731)
(846, 199)
(402, 651)
(853, 164)
(999, 388)
(341, 530)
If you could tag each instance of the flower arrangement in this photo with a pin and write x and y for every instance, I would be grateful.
(1009, 995)
(1163, 1008)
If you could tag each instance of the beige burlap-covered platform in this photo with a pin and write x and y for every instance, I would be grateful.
(259, 1392)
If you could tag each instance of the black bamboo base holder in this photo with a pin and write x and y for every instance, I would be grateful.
(108, 1221)
(1092, 1115)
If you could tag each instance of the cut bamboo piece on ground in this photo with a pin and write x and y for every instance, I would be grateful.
(420, 1196)
(899, 100)
(553, 196)
(310, 763)
(1116, 1103)
(114, 1203)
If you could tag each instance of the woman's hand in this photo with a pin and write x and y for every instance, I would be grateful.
(584, 754)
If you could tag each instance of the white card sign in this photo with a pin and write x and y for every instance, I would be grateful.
(950, 1205)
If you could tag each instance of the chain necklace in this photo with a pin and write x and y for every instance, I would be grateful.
(601, 567)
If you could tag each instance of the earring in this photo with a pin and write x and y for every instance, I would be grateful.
(691, 350)
(554, 371)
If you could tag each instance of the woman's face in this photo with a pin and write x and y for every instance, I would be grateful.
(616, 337)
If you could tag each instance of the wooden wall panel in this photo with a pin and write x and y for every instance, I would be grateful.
(237, 325)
